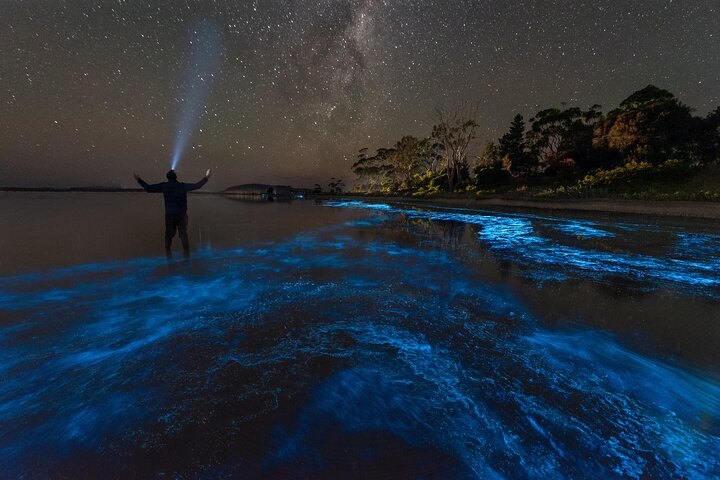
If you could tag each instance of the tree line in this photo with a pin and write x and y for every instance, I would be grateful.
(650, 131)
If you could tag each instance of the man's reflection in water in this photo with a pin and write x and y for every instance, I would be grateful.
(176, 219)
(505, 267)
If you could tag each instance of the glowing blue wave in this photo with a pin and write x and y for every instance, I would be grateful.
(696, 263)
(324, 352)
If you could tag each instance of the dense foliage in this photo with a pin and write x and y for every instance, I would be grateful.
(650, 138)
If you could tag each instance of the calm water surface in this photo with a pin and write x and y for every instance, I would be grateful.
(354, 340)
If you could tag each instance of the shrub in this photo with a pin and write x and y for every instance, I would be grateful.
(430, 183)
(624, 173)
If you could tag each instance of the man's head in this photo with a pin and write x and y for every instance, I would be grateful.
(171, 175)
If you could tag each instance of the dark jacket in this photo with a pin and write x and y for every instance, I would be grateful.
(175, 193)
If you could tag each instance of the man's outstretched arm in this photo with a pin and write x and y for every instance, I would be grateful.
(154, 188)
(189, 187)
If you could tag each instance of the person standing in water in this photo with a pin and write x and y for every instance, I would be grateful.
(175, 194)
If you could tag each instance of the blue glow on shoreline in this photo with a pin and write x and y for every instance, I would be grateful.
(141, 356)
(517, 237)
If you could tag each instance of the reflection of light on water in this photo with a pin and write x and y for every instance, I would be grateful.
(413, 344)
(582, 229)
(664, 387)
(517, 237)
(692, 245)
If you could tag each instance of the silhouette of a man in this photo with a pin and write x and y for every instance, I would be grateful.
(175, 194)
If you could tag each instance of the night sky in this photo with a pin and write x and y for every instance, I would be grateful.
(92, 91)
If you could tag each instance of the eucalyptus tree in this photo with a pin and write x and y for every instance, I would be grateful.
(455, 131)
(373, 171)
(562, 139)
(649, 126)
(405, 160)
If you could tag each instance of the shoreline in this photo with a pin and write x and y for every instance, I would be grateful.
(666, 208)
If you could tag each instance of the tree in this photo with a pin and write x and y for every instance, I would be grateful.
(405, 160)
(490, 157)
(711, 135)
(512, 150)
(430, 155)
(398, 168)
(361, 169)
(455, 131)
(489, 170)
(372, 171)
(648, 126)
(713, 120)
(561, 139)
(336, 185)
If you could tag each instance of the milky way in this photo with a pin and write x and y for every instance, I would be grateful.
(90, 90)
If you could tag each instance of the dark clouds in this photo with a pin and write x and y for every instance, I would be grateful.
(90, 90)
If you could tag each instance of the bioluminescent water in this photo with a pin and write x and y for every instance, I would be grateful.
(205, 58)
(360, 340)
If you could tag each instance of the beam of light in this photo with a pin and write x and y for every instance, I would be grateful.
(203, 64)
